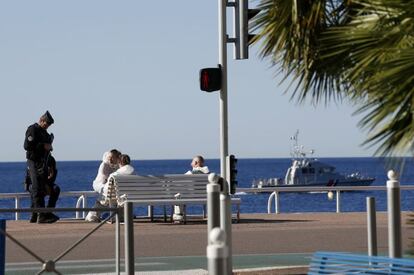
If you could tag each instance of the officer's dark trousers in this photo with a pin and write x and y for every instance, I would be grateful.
(38, 185)
(53, 191)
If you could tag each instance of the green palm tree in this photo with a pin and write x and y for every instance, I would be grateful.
(360, 50)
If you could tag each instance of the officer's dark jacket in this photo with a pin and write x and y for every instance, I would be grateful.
(34, 142)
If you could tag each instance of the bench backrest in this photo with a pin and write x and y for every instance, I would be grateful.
(347, 263)
(134, 187)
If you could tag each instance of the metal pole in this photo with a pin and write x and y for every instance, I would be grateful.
(394, 216)
(371, 227)
(2, 248)
(225, 202)
(277, 203)
(217, 252)
(84, 202)
(129, 239)
(213, 203)
(117, 243)
(17, 205)
(225, 224)
(338, 201)
(223, 92)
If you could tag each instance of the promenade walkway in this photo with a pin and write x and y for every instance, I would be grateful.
(259, 241)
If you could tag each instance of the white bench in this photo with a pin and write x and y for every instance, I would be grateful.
(161, 190)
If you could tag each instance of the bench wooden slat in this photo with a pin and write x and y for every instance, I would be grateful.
(158, 188)
(171, 192)
(154, 191)
(149, 197)
(171, 202)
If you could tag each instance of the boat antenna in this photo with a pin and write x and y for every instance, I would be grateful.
(295, 150)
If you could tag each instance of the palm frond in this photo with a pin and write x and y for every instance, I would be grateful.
(360, 49)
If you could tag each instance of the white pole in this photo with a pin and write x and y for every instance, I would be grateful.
(338, 201)
(223, 92)
(217, 252)
(277, 203)
(394, 216)
(213, 203)
(17, 206)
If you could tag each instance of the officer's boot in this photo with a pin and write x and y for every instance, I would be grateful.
(33, 218)
(39, 202)
(46, 218)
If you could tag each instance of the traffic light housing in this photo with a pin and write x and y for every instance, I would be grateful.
(210, 79)
(232, 173)
(243, 38)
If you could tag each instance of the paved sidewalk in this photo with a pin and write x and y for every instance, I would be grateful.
(259, 240)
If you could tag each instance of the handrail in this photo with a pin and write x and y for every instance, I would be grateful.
(319, 188)
(82, 196)
(338, 189)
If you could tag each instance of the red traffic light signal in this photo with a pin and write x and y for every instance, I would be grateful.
(210, 79)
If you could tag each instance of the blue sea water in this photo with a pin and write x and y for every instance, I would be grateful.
(78, 175)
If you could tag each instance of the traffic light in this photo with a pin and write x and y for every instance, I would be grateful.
(232, 173)
(243, 39)
(210, 79)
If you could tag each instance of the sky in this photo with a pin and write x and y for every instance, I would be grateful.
(125, 75)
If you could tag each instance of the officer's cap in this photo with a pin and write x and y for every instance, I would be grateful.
(47, 117)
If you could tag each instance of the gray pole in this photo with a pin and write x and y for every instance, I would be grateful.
(222, 6)
(372, 227)
(223, 93)
(217, 252)
(117, 243)
(129, 239)
(225, 224)
(394, 216)
(213, 203)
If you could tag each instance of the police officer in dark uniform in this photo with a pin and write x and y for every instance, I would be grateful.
(38, 145)
(52, 189)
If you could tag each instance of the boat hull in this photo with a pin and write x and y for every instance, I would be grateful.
(359, 182)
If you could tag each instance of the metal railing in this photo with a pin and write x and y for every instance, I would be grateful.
(275, 192)
(82, 196)
(80, 203)
(49, 265)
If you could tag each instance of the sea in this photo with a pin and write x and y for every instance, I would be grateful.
(78, 176)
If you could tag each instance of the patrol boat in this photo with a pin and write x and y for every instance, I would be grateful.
(306, 171)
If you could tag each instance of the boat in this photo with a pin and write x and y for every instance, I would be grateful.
(308, 171)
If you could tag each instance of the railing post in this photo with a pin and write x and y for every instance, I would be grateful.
(2, 247)
(129, 239)
(338, 201)
(213, 203)
(394, 216)
(371, 227)
(80, 200)
(17, 206)
(269, 202)
(217, 252)
(84, 204)
(277, 203)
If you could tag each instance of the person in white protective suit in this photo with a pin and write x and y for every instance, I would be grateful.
(125, 166)
(109, 164)
(198, 167)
